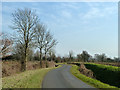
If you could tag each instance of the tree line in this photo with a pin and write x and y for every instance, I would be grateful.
(86, 57)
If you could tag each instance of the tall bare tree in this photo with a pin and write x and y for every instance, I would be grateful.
(50, 42)
(40, 39)
(44, 40)
(25, 21)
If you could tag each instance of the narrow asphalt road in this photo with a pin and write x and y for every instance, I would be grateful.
(62, 78)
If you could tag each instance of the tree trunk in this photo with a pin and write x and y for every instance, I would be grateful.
(45, 56)
(46, 60)
(24, 61)
(24, 64)
(46, 64)
(40, 58)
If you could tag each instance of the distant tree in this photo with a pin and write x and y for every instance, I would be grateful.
(91, 59)
(30, 55)
(101, 57)
(71, 55)
(65, 59)
(18, 52)
(79, 58)
(116, 59)
(52, 55)
(109, 60)
(58, 59)
(36, 55)
(85, 56)
(25, 21)
(96, 56)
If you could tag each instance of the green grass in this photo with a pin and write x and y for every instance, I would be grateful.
(105, 73)
(27, 79)
(93, 82)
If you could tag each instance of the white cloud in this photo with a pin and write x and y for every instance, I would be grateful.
(92, 13)
(95, 12)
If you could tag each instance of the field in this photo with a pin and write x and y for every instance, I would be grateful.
(93, 82)
(105, 73)
(117, 64)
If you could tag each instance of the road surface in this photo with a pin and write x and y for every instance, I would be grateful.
(62, 78)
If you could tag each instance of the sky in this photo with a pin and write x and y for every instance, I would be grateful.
(89, 26)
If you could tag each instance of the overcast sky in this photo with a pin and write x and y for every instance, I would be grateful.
(76, 26)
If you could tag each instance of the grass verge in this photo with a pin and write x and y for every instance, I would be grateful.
(27, 79)
(93, 82)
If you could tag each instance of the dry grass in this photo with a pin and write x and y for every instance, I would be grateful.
(13, 67)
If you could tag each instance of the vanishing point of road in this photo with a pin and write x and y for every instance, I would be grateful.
(62, 78)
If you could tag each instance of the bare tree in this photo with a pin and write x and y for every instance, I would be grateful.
(50, 42)
(5, 45)
(40, 39)
(44, 41)
(24, 21)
